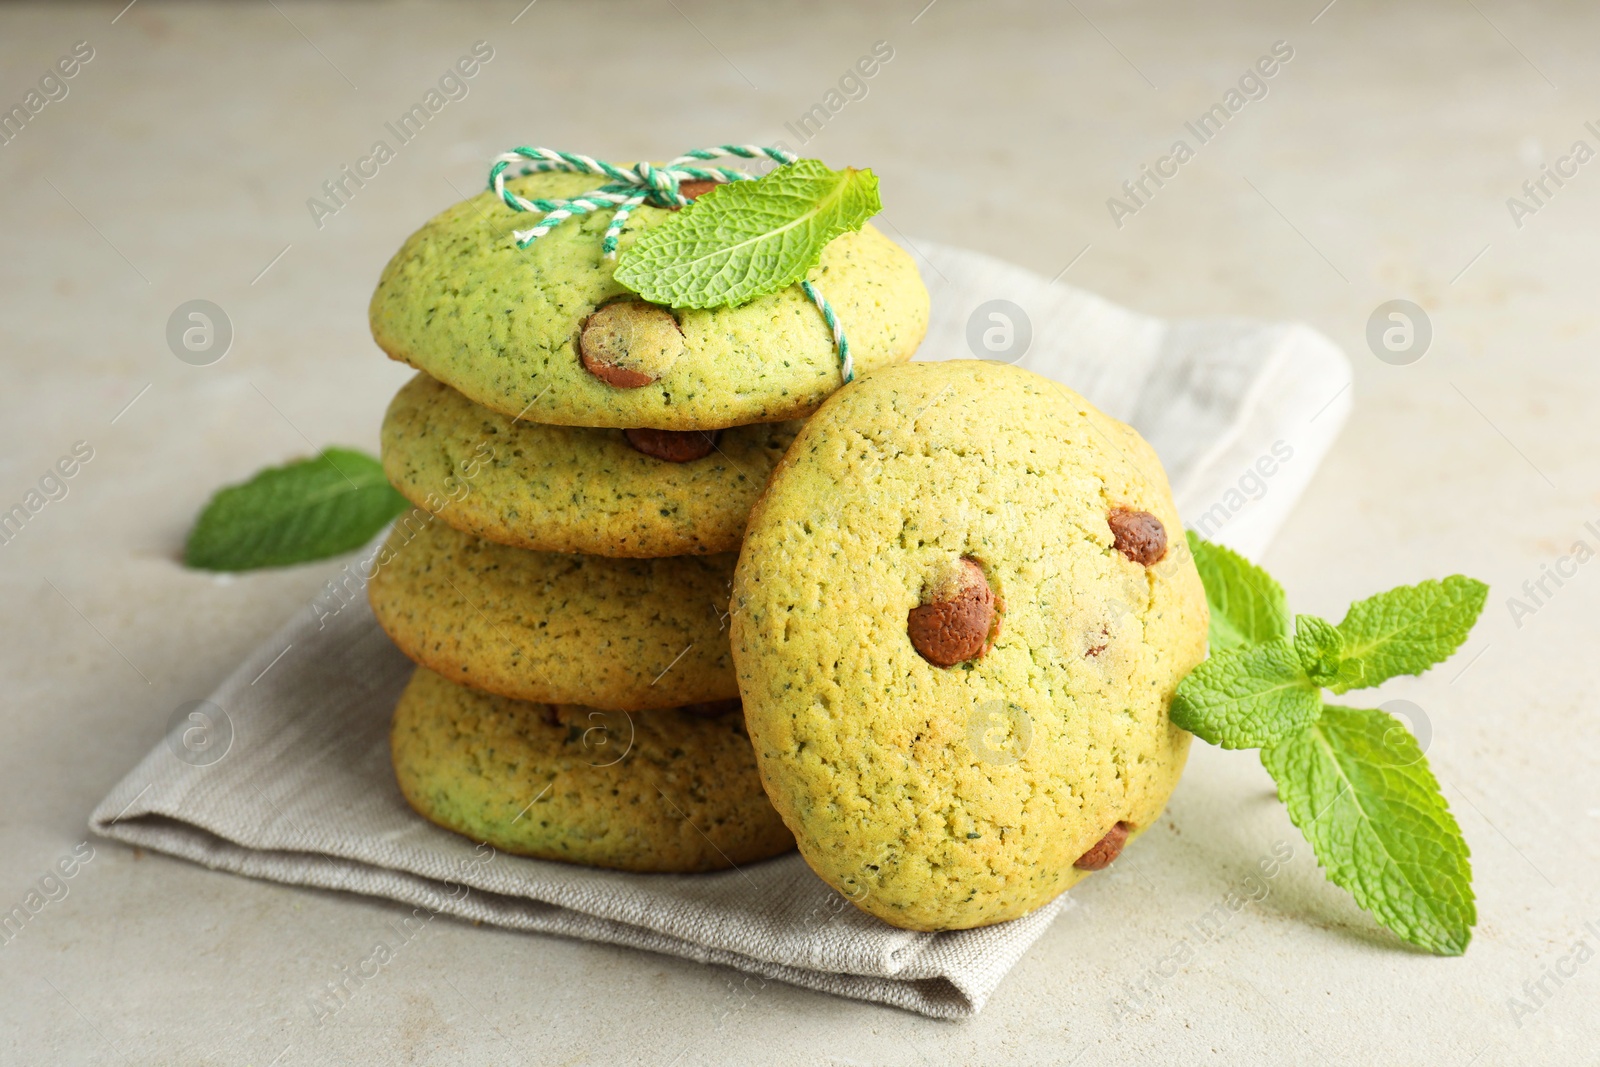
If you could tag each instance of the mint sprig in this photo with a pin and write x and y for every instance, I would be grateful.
(302, 511)
(749, 238)
(1354, 780)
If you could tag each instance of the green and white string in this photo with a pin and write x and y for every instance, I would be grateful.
(642, 183)
(841, 344)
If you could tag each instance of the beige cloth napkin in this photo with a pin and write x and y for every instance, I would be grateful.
(286, 774)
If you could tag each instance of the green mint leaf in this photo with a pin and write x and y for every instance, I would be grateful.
(1320, 647)
(1247, 606)
(1406, 630)
(748, 239)
(1358, 787)
(1247, 697)
(307, 510)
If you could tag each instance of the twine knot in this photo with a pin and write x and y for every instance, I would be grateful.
(628, 187)
(642, 183)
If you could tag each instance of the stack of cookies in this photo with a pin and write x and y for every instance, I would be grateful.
(584, 464)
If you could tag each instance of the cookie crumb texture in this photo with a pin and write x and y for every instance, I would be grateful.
(617, 634)
(946, 798)
(660, 791)
(503, 324)
(568, 488)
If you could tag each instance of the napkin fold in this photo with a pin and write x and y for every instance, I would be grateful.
(283, 773)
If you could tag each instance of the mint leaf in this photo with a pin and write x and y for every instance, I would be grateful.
(747, 239)
(302, 511)
(1247, 606)
(1406, 630)
(1247, 697)
(1320, 647)
(1358, 787)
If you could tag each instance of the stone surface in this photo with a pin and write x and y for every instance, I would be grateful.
(1377, 167)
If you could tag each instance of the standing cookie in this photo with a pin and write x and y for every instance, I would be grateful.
(960, 614)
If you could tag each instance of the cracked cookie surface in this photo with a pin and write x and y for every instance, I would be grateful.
(949, 797)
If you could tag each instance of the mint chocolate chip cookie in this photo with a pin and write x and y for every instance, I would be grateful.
(547, 333)
(669, 790)
(959, 617)
(618, 634)
(642, 493)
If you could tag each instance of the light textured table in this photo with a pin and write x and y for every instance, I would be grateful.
(1378, 166)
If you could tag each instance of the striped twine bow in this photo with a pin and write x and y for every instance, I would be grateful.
(642, 183)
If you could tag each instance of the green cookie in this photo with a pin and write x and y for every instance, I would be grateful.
(662, 791)
(619, 634)
(961, 611)
(502, 324)
(572, 489)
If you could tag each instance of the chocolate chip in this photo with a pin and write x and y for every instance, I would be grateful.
(959, 618)
(1139, 535)
(696, 187)
(674, 446)
(1105, 850)
(630, 343)
(713, 709)
(621, 377)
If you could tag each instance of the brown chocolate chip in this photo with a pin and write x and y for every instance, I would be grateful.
(674, 446)
(621, 377)
(1105, 850)
(630, 343)
(713, 709)
(696, 187)
(958, 621)
(1139, 535)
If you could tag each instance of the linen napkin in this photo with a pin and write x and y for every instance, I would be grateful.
(284, 772)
